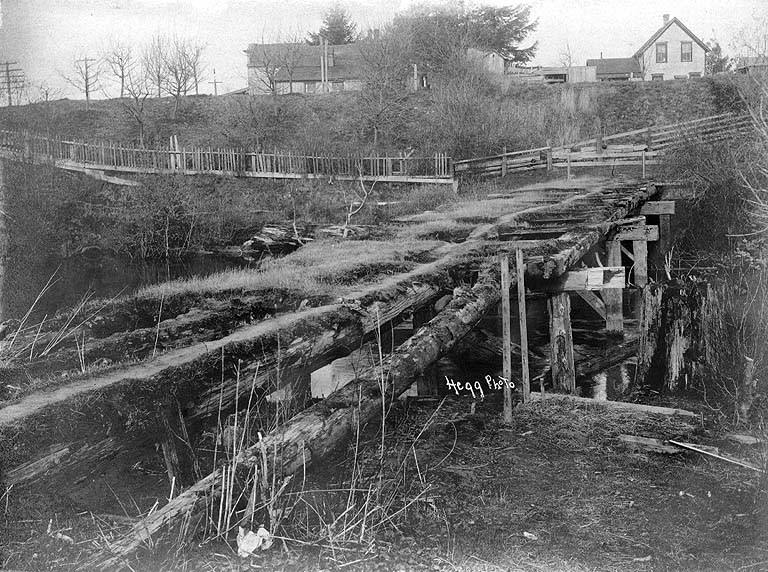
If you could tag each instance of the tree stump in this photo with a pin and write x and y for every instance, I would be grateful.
(671, 338)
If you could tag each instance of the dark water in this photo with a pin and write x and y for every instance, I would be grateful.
(101, 276)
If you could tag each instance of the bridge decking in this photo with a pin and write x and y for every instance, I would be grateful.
(555, 224)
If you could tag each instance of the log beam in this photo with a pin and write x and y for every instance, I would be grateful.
(594, 302)
(658, 208)
(648, 233)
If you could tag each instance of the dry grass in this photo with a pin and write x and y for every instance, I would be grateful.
(317, 268)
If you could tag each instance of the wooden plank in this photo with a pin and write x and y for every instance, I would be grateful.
(620, 405)
(649, 232)
(614, 320)
(658, 208)
(521, 311)
(640, 251)
(561, 343)
(507, 336)
(594, 301)
(602, 278)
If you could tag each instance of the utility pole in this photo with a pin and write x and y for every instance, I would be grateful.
(87, 81)
(215, 83)
(14, 79)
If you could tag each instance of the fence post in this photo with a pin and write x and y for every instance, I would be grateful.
(643, 163)
(504, 162)
(549, 158)
(569, 164)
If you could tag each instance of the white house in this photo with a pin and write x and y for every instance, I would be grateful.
(673, 52)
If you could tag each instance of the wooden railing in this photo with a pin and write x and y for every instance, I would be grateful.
(637, 147)
(108, 156)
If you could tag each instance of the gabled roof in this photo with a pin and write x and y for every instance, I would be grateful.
(615, 66)
(663, 29)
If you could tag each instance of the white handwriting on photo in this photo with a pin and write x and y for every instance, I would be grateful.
(477, 388)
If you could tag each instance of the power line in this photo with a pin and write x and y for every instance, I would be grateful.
(14, 79)
(215, 83)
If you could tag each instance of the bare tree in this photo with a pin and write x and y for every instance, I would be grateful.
(386, 71)
(178, 72)
(268, 60)
(153, 62)
(84, 76)
(119, 58)
(752, 39)
(290, 56)
(137, 86)
(43, 96)
(196, 64)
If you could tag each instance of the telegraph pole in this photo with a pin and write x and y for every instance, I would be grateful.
(14, 78)
(215, 83)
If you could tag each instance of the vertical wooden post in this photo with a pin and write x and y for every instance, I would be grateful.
(504, 162)
(569, 164)
(561, 343)
(549, 159)
(507, 336)
(614, 319)
(526, 389)
(665, 237)
(640, 252)
(643, 163)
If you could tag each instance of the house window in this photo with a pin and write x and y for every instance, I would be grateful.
(694, 74)
(686, 51)
(661, 53)
(657, 76)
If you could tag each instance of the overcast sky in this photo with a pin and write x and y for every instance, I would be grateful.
(44, 36)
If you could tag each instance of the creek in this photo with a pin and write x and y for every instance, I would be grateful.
(100, 276)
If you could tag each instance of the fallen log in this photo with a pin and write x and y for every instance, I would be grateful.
(619, 405)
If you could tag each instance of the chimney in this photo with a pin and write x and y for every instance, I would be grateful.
(666, 18)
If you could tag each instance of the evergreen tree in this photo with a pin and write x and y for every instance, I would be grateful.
(337, 28)
(715, 61)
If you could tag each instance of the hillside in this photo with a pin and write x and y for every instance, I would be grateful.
(462, 118)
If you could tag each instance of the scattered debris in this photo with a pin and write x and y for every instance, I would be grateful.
(248, 542)
(530, 536)
(743, 439)
(704, 450)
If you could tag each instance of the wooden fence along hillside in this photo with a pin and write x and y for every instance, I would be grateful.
(638, 147)
(173, 159)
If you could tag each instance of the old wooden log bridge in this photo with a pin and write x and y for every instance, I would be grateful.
(555, 234)
(108, 161)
